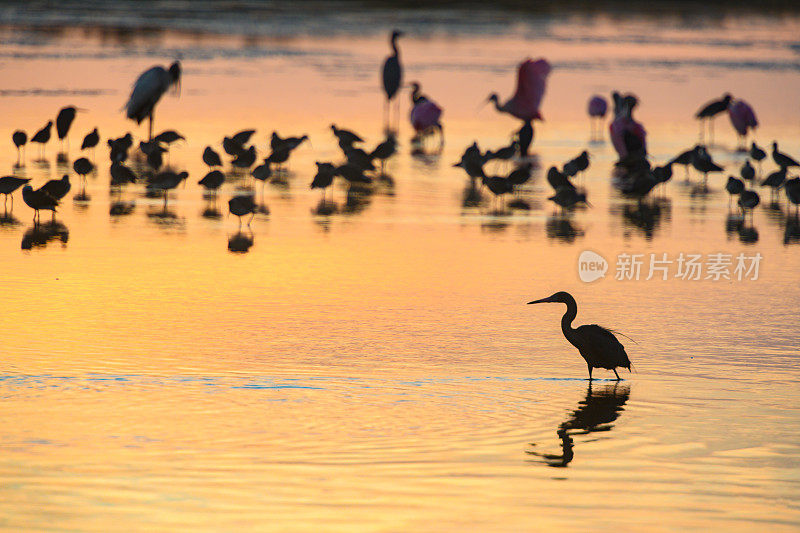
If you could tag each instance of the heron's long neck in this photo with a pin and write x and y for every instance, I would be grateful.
(394, 47)
(566, 320)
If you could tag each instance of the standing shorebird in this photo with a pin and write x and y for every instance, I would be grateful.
(64, 122)
(708, 112)
(597, 345)
(147, 91)
(38, 200)
(392, 77)
(781, 159)
(9, 184)
(20, 138)
(242, 205)
(425, 117)
(527, 99)
(42, 137)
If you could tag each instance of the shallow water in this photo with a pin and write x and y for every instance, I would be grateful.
(377, 369)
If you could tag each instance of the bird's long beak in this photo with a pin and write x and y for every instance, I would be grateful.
(542, 301)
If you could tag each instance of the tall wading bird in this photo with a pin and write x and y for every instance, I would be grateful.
(527, 99)
(9, 184)
(598, 107)
(425, 117)
(781, 159)
(627, 135)
(64, 121)
(743, 119)
(392, 76)
(147, 91)
(43, 136)
(38, 200)
(708, 112)
(597, 345)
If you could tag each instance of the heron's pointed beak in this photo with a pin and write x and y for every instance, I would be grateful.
(542, 301)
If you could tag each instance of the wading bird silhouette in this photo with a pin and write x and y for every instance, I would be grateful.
(147, 91)
(392, 76)
(531, 85)
(598, 106)
(743, 119)
(596, 344)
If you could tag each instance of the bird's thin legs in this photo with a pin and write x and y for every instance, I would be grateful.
(150, 127)
(590, 373)
(251, 219)
(615, 373)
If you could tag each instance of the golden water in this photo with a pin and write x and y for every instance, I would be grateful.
(378, 369)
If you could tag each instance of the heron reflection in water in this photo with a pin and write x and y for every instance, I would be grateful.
(39, 235)
(595, 413)
(241, 242)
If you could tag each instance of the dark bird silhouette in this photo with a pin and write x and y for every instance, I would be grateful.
(385, 149)
(567, 198)
(685, 159)
(503, 154)
(708, 112)
(558, 179)
(168, 137)
(663, 174)
(291, 143)
(57, 189)
(166, 181)
(775, 181)
(747, 172)
(525, 138)
(9, 184)
(20, 138)
(242, 137)
(748, 200)
(353, 173)
(64, 121)
(472, 161)
(392, 75)
(757, 153)
(232, 147)
(734, 186)
(703, 162)
(577, 164)
(279, 156)
(82, 167)
(147, 91)
(121, 174)
(38, 200)
(118, 148)
(242, 205)
(792, 189)
(781, 159)
(245, 159)
(521, 174)
(324, 177)
(597, 345)
(346, 137)
(91, 140)
(359, 158)
(42, 136)
(213, 180)
(498, 185)
(211, 158)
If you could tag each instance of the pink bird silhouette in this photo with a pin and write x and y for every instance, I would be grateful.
(743, 119)
(628, 136)
(425, 115)
(531, 84)
(597, 111)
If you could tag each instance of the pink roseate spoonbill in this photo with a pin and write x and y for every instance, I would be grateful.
(392, 75)
(527, 99)
(627, 135)
(597, 345)
(598, 107)
(708, 112)
(743, 119)
(150, 86)
(425, 116)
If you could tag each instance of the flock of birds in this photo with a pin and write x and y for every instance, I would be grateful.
(633, 175)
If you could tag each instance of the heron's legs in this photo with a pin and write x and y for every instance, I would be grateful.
(150, 127)
(590, 372)
(615, 373)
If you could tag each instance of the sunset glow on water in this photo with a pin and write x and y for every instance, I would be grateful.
(377, 369)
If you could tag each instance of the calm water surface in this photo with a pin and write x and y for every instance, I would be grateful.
(377, 369)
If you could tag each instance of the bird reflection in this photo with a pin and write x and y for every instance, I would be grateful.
(8, 219)
(121, 208)
(241, 242)
(325, 208)
(38, 235)
(562, 228)
(358, 198)
(471, 197)
(644, 216)
(595, 413)
(738, 225)
(791, 234)
(211, 212)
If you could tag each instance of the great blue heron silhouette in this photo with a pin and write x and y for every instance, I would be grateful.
(392, 76)
(595, 413)
(596, 344)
